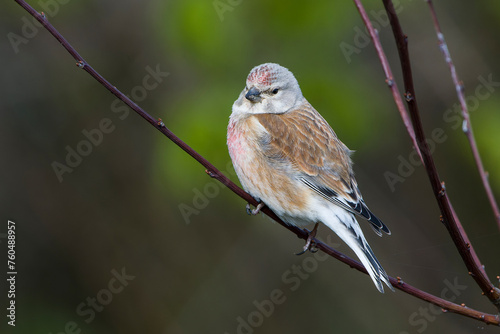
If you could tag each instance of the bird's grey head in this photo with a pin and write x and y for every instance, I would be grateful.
(270, 88)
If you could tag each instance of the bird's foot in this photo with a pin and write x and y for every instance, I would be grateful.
(310, 243)
(256, 210)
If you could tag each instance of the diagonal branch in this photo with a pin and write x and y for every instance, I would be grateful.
(389, 78)
(448, 215)
(215, 173)
(467, 126)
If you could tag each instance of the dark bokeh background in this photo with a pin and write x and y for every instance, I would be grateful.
(121, 207)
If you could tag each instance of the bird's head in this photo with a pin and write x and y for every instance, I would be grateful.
(270, 88)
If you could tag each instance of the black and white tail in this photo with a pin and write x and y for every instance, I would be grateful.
(347, 228)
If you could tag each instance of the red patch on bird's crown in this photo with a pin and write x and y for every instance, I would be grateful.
(262, 75)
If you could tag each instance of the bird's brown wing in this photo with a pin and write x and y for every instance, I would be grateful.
(300, 142)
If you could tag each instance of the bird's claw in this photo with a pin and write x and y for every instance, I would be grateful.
(254, 211)
(309, 246)
(310, 243)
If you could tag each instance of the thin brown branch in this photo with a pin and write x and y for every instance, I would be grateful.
(398, 283)
(448, 215)
(389, 78)
(467, 125)
(215, 173)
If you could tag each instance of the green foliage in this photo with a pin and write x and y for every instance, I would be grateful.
(486, 123)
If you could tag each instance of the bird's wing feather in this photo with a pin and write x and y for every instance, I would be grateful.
(301, 142)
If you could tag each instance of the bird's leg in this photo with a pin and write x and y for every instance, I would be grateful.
(310, 243)
(256, 210)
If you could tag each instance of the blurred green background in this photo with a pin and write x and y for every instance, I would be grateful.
(137, 204)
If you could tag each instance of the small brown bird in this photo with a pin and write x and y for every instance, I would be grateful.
(288, 157)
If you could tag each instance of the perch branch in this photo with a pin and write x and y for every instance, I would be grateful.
(467, 125)
(449, 217)
(215, 173)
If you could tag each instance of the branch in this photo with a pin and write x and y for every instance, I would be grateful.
(448, 215)
(215, 173)
(467, 126)
(389, 78)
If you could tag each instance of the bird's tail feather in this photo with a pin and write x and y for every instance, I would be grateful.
(347, 228)
(377, 273)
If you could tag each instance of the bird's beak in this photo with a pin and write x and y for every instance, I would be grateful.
(253, 95)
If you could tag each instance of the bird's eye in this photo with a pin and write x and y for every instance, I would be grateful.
(275, 91)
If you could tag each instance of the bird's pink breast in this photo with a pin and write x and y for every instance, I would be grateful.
(243, 155)
(238, 146)
(234, 138)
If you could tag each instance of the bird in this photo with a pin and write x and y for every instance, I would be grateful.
(288, 158)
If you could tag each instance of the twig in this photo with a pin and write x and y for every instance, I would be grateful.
(215, 173)
(449, 217)
(467, 125)
(398, 283)
(389, 78)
